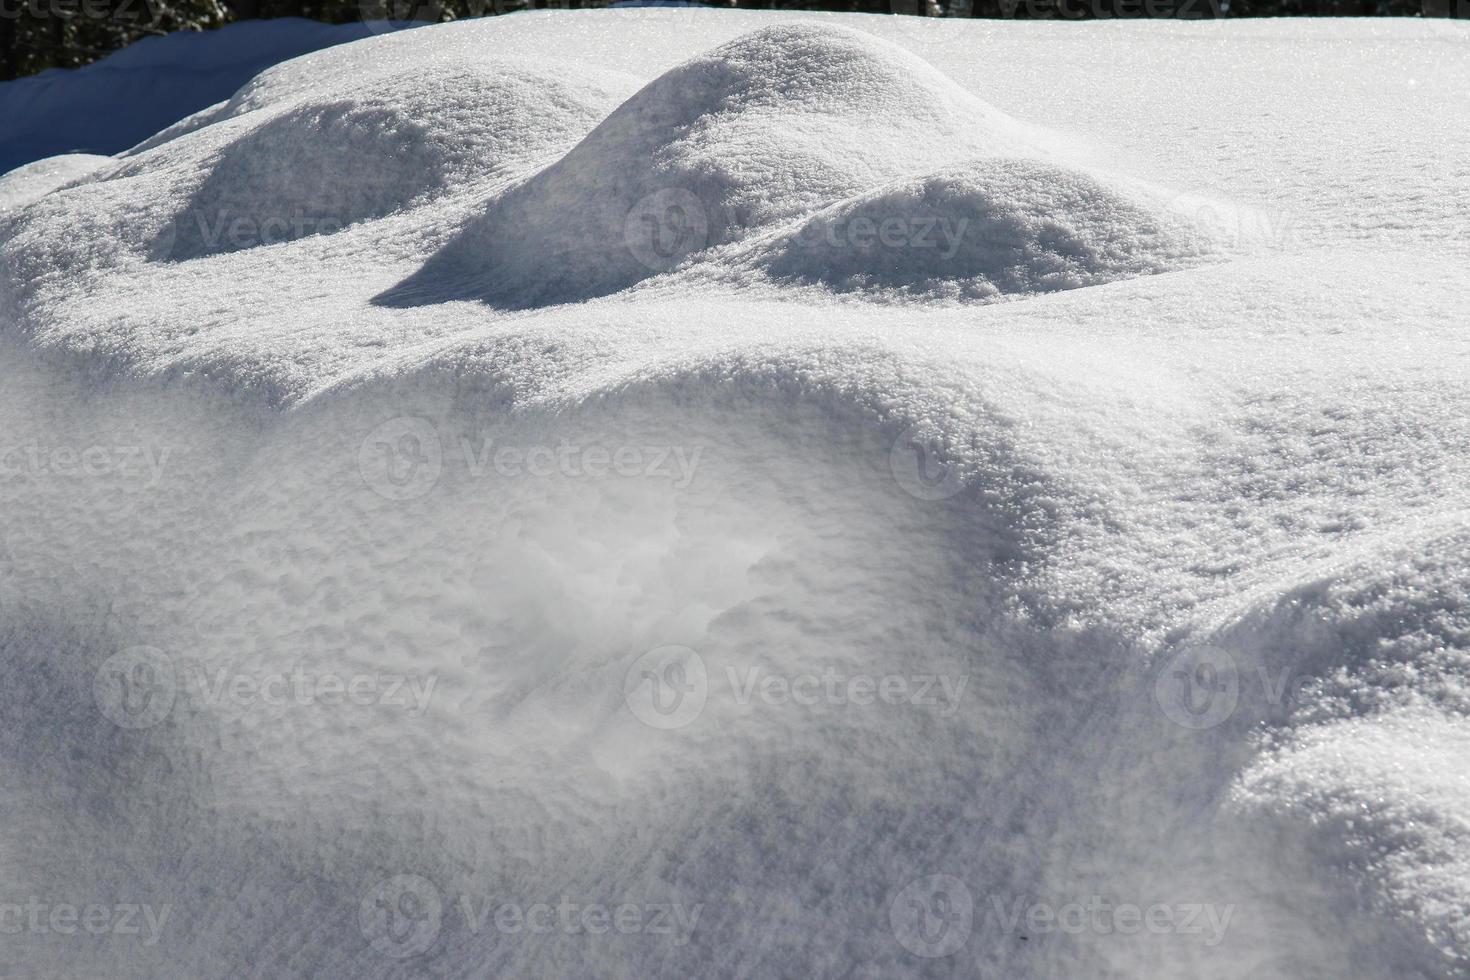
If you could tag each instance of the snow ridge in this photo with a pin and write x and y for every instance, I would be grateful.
(771, 128)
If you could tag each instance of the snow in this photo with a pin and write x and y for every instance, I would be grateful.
(777, 124)
(430, 130)
(983, 230)
(111, 104)
(34, 181)
(584, 383)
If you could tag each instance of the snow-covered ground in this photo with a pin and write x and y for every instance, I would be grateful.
(707, 493)
(111, 104)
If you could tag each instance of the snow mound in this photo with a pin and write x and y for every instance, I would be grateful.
(111, 104)
(33, 181)
(325, 164)
(1384, 799)
(983, 230)
(1363, 657)
(772, 125)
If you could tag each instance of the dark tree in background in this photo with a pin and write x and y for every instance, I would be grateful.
(40, 34)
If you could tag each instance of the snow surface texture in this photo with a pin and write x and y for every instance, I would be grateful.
(109, 105)
(1131, 417)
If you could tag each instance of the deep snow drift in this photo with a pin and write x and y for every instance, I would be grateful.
(111, 104)
(775, 125)
(749, 495)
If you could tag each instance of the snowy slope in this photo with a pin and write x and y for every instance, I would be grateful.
(837, 496)
(108, 106)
